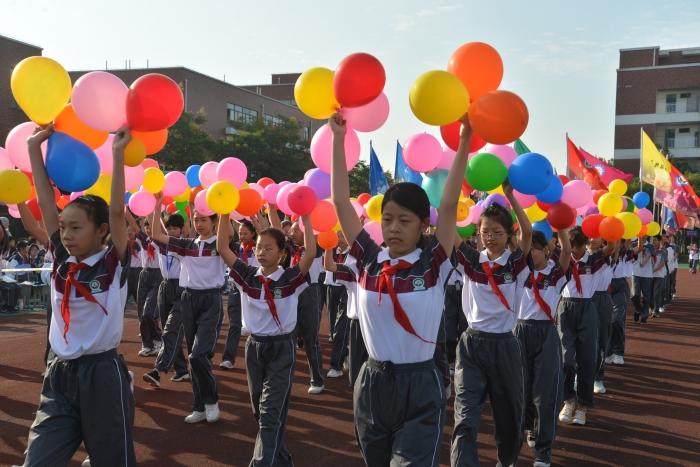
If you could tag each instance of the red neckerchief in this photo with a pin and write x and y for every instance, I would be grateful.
(296, 257)
(489, 270)
(538, 298)
(386, 280)
(151, 250)
(246, 248)
(577, 275)
(270, 299)
(71, 281)
(340, 258)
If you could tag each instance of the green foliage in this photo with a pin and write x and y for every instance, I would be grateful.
(359, 179)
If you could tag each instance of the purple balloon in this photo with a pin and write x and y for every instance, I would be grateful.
(433, 216)
(592, 211)
(496, 198)
(319, 181)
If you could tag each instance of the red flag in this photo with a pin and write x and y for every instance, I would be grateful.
(580, 169)
(607, 172)
(682, 198)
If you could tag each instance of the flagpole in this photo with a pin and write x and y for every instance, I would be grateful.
(566, 135)
(641, 156)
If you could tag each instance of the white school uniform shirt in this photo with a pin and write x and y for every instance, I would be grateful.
(420, 291)
(148, 261)
(250, 259)
(201, 267)
(647, 269)
(550, 290)
(316, 266)
(91, 330)
(672, 260)
(287, 285)
(169, 263)
(588, 266)
(345, 276)
(135, 254)
(620, 268)
(660, 256)
(604, 277)
(484, 310)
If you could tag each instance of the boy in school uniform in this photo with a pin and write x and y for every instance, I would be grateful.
(659, 268)
(620, 294)
(642, 270)
(602, 301)
(337, 300)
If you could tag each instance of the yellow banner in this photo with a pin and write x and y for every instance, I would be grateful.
(655, 168)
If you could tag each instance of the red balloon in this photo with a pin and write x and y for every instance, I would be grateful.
(544, 206)
(561, 216)
(154, 102)
(168, 200)
(150, 163)
(363, 198)
(323, 216)
(33, 206)
(359, 79)
(302, 200)
(466, 188)
(611, 229)
(597, 194)
(63, 202)
(265, 181)
(564, 179)
(171, 208)
(591, 225)
(450, 135)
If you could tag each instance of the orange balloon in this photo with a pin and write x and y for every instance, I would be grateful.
(250, 202)
(323, 216)
(63, 201)
(597, 194)
(643, 232)
(194, 192)
(68, 122)
(611, 229)
(478, 66)
(134, 153)
(154, 141)
(327, 240)
(499, 117)
(150, 163)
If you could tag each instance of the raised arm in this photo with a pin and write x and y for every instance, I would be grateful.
(328, 261)
(309, 246)
(565, 254)
(223, 238)
(44, 192)
(274, 217)
(117, 219)
(611, 248)
(158, 233)
(32, 226)
(523, 221)
(340, 182)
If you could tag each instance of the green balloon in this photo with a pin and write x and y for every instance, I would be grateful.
(181, 205)
(183, 213)
(466, 232)
(486, 172)
(630, 204)
(434, 185)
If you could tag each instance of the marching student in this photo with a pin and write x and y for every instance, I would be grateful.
(135, 248)
(642, 269)
(672, 251)
(337, 299)
(620, 295)
(86, 394)
(602, 301)
(659, 262)
(541, 283)
(398, 400)
(269, 296)
(693, 258)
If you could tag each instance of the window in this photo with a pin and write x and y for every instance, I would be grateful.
(238, 113)
(697, 139)
(670, 138)
(685, 95)
(272, 120)
(670, 103)
(306, 133)
(684, 130)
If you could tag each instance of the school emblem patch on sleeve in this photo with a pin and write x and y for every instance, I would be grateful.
(95, 286)
(507, 277)
(277, 293)
(418, 284)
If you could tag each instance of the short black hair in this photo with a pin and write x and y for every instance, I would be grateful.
(409, 196)
(286, 223)
(538, 239)
(21, 244)
(499, 214)
(577, 237)
(96, 208)
(175, 220)
(249, 225)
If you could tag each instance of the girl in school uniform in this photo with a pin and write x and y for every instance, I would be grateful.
(399, 396)
(269, 298)
(602, 301)
(86, 394)
(541, 284)
(489, 360)
(620, 294)
(135, 248)
(337, 300)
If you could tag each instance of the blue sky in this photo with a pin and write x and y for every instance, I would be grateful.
(559, 56)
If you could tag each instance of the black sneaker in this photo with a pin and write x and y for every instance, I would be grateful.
(181, 377)
(636, 317)
(153, 378)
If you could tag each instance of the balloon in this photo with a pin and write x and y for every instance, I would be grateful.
(641, 199)
(363, 198)
(545, 228)
(502, 151)
(496, 198)
(561, 216)
(99, 99)
(438, 98)
(478, 66)
(182, 197)
(302, 200)
(200, 202)
(134, 153)
(265, 181)
(258, 188)
(270, 193)
(150, 163)
(175, 184)
(250, 202)
(313, 93)
(320, 182)
(500, 117)
(358, 80)
(611, 229)
(553, 192)
(16, 146)
(373, 208)
(104, 156)
(282, 197)
(434, 216)
(544, 206)
(645, 215)
(5, 162)
(422, 152)
(327, 240)
(153, 180)
(63, 202)
(133, 177)
(534, 213)
(617, 186)
(232, 170)
(41, 87)
(446, 159)
(462, 211)
(207, 173)
(374, 229)
(153, 141)
(525, 201)
(359, 210)
(450, 135)
(368, 117)
(629, 204)
(102, 188)
(653, 228)
(192, 174)
(323, 216)
(632, 223)
(591, 225)
(610, 204)
(70, 163)
(530, 173)
(434, 185)
(486, 172)
(142, 203)
(15, 187)
(222, 197)
(154, 102)
(68, 122)
(467, 231)
(576, 194)
(322, 146)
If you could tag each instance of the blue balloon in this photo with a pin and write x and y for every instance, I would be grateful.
(530, 173)
(192, 174)
(544, 227)
(71, 164)
(434, 184)
(553, 192)
(641, 199)
(127, 197)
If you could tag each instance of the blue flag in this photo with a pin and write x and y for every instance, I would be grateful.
(402, 172)
(377, 179)
(670, 223)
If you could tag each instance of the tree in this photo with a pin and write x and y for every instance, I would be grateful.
(188, 143)
(359, 179)
(633, 187)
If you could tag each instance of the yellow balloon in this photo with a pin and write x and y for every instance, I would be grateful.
(498, 189)
(313, 93)
(653, 228)
(534, 213)
(153, 180)
(617, 186)
(374, 208)
(438, 98)
(462, 211)
(610, 204)
(134, 153)
(102, 188)
(184, 196)
(41, 87)
(223, 197)
(632, 223)
(15, 187)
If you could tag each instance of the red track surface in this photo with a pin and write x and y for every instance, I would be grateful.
(650, 415)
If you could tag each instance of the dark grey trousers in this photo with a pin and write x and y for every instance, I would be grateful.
(578, 331)
(133, 285)
(357, 352)
(643, 296)
(147, 302)
(235, 322)
(544, 382)
(455, 321)
(488, 365)
(602, 301)
(84, 400)
(659, 292)
(201, 319)
(270, 367)
(308, 323)
(337, 300)
(620, 297)
(399, 413)
(171, 353)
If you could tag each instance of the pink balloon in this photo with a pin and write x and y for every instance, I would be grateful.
(525, 201)
(422, 152)
(142, 203)
(200, 204)
(5, 162)
(104, 155)
(359, 209)
(133, 177)
(230, 169)
(645, 215)
(464, 223)
(374, 229)
(99, 100)
(368, 117)
(255, 186)
(75, 195)
(207, 173)
(283, 199)
(175, 184)
(236, 217)
(283, 183)
(474, 214)
(270, 192)
(322, 147)
(502, 151)
(576, 194)
(448, 157)
(16, 145)
(13, 211)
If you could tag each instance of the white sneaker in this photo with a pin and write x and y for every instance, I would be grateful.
(567, 413)
(196, 417)
(86, 462)
(226, 364)
(346, 365)
(661, 309)
(131, 381)
(618, 360)
(157, 345)
(333, 373)
(212, 412)
(541, 464)
(147, 352)
(530, 437)
(580, 417)
(315, 389)
(610, 359)
(598, 387)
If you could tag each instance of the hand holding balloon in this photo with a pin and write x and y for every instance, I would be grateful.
(337, 124)
(121, 140)
(40, 135)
